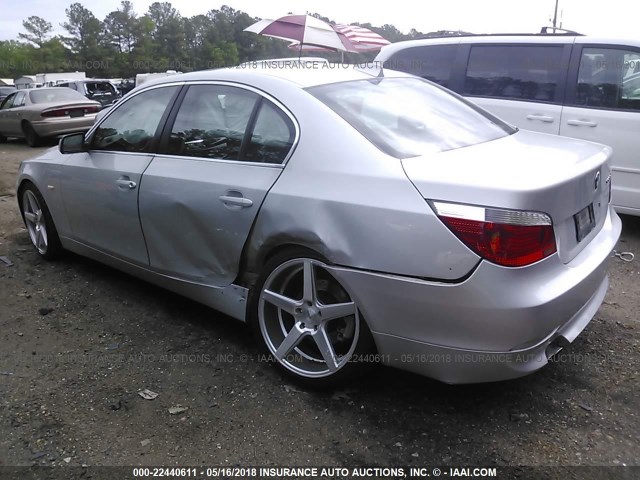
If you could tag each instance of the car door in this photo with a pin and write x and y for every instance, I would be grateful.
(5, 109)
(11, 115)
(603, 105)
(522, 84)
(100, 187)
(222, 151)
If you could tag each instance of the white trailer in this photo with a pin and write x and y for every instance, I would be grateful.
(53, 79)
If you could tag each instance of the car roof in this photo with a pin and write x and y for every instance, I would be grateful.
(537, 39)
(304, 74)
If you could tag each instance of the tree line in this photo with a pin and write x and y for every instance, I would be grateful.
(125, 43)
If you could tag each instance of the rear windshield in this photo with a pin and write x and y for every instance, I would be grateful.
(61, 94)
(408, 117)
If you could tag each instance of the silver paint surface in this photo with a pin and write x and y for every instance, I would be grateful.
(418, 287)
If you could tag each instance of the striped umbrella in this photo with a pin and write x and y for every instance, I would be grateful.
(362, 39)
(304, 30)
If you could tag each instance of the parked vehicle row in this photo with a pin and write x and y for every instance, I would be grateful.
(572, 85)
(45, 112)
(349, 218)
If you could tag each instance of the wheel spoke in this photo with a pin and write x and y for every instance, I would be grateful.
(284, 303)
(337, 310)
(38, 238)
(43, 237)
(31, 217)
(326, 349)
(33, 204)
(309, 282)
(290, 341)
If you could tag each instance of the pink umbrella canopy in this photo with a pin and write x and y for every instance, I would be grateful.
(362, 39)
(304, 30)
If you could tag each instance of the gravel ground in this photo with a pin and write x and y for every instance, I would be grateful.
(79, 340)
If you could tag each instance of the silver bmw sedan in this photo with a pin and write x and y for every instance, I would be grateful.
(351, 218)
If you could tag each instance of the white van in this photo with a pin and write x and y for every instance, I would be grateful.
(563, 84)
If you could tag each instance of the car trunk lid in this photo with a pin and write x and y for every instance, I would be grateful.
(567, 179)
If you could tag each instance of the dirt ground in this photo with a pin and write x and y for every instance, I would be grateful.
(79, 340)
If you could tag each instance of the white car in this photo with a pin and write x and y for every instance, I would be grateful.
(561, 84)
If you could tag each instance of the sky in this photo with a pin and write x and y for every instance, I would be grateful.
(610, 18)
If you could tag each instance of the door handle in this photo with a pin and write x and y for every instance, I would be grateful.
(581, 123)
(236, 201)
(125, 182)
(542, 118)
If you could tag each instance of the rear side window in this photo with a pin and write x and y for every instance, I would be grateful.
(522, 72)
(20, 99)
(608, 78)
(273, 135)
(212, 122)
(433, 62)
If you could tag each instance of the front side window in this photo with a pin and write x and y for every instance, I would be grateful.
(407, 117)
(608, 78)
(8, 102)
(433, 62)
(132, 126)
(521, 72)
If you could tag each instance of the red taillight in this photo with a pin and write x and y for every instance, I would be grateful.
(58, 112)
(505, 237)
(66, 112)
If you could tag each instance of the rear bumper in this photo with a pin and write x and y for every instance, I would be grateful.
(61, 126)
(499, 323)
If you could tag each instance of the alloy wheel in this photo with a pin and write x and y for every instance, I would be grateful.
(35, 221)
(307, 319)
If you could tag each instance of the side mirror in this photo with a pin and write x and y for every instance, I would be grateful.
(73, 143)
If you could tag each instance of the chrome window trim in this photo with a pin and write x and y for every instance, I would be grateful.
(220, 160)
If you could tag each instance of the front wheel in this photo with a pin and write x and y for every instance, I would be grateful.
(37, 219)
(308, 322)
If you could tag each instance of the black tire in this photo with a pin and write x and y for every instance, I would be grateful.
(30, 135)
(40, 225)
(3, 139)
(352, 349)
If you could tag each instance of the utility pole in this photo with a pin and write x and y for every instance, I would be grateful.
(555, 17)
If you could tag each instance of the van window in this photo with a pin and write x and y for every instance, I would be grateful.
(608, 78)
(522, 72)
(433, 62)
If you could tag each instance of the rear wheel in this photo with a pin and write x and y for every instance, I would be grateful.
(30, 135)
(37, 219)
(308, 322)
